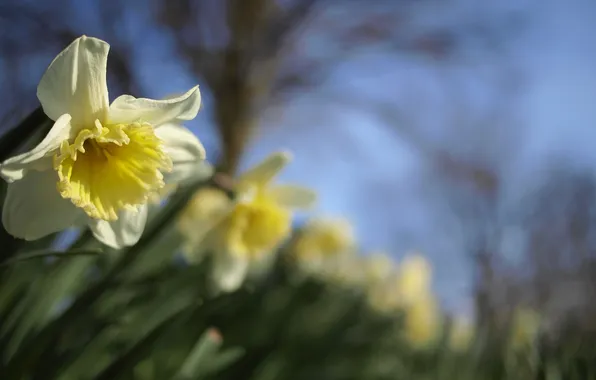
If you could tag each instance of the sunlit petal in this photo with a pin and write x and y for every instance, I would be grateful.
(229, 271)
(293, 196)
(266, 170)
(125, 231)
(38, 158)
(75, 83)
(185, 151)
(128, 109)
(33, 208)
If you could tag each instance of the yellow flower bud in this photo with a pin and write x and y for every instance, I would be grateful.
(413, 279)
(422, 321)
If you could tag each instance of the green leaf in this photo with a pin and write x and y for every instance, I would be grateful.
(43, 254)
(126, 362)
(59, 281)
(14, 138)
(201, 354)
(221, 361)
(27, 132)
(156, 256)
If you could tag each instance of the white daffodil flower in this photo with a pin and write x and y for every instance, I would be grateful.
(100, 163)
(241, 233)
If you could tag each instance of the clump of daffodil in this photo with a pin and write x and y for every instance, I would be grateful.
(382, 297)
(378, 267)
(422, 321)
(413, 279)
(343, 270)
(394, 287)
(405, 290)
(370, 272)
(254, 224)
(321, 243)
(378, 281)
(525, 327)
(100, 163)
(461, 334)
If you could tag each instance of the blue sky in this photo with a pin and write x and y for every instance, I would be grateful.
(365, 172)
(362, 166)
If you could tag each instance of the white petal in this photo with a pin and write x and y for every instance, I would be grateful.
(293, 196)
(75, 83)
(266, 170)
(229, 270)
(39, 158)
(124, 232)
(127, 109)
(33, 208)
(185, 150)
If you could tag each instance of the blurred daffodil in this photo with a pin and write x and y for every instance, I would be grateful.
(100, 163)
(343, 270)
(321, 241)
(254, 224)
(422, 322)
(413, 279)
(379, 281)
(382, 296)
(378, 267)
(525, 327)
(262, 216)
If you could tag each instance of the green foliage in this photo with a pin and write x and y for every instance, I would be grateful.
(138, 313)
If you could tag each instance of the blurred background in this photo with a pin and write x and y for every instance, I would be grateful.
(457, 128)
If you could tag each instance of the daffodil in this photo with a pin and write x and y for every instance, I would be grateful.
(525, 328)
(390, 289)
(382, 297)
(378, 267)
(378, 279)
(413, 279)
(422, 321)
(322, 241)
(344, 269)
(100, 163)
(255, 223)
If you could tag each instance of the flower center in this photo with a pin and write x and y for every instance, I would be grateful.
(109, 168)
(258, 226)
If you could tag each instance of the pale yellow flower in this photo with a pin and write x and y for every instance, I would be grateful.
(320, 245)
(413, 279)
(422, 321)
(525, 327)
(461, 334)
(100, 163)
(379, 281)
(382, 296)
(344, 270)
(378, 267)
(391, 288)
(256, 223)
